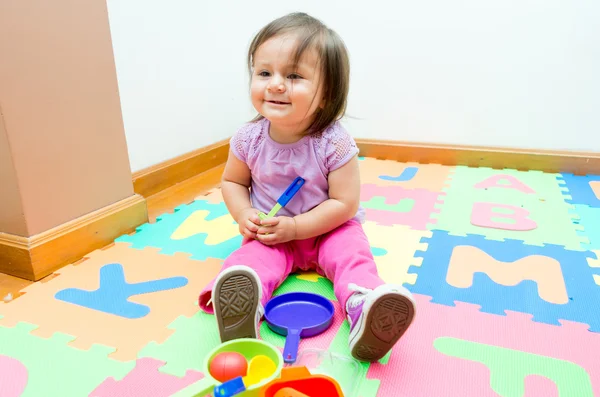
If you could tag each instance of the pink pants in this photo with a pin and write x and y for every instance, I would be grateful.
(342, 255)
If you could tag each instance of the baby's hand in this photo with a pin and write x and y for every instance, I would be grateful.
(277, 230)
(248, 222)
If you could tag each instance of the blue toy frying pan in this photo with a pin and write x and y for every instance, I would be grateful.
(298, 315)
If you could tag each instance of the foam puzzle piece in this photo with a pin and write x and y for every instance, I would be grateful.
(508, 379)
(488, 215)
(13, 377)
(145, 380)
(553, 218)
(546, 272)
(213, 196)
(515, 289)
(417, 218)
(309, 276)
(581, 189)
(504, 181)
(595, 186)
(222, 228)
(406, 175)
(517, 186)
(378, 251)
(159, 234)
(193, 338)
(399, 243)
(360, 384)
(589, 217)
(538, 386)
(415, 358)
(378, 203)
(368, 387)
(54, 368)
(432, 177)
(113, 294)
(127, 336)
(296, 283)
(595, 263)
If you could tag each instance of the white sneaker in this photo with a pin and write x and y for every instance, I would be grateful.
(378, 318)
(236, 296)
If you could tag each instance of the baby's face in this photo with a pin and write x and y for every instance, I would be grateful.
(287, 97)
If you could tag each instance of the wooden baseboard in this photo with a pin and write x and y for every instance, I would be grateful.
(578, 163)
(38, 256)
(166, 175)
(184, 192)
(159, 177)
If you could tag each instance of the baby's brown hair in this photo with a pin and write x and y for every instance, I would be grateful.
(332, 55)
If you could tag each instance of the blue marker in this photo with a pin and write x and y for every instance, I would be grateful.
(284, 198)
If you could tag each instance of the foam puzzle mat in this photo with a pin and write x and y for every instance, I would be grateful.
(504, 266)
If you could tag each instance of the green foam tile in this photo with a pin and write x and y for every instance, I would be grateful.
(54, 368)
(554, 217)
(339, 345)
(546, 186)
(369, 388)
(186, 348)
(294, 284)
(271, 337)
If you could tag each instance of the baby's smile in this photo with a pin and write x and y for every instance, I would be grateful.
(279, 102)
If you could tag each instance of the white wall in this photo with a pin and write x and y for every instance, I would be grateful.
(498, 72)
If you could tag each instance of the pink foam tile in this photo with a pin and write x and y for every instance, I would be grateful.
(486, 215)
(499, 181)
(146, 380)
(417, 218)
(13, 377)
(417, 369)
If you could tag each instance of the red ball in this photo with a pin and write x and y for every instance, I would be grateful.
(228, 365)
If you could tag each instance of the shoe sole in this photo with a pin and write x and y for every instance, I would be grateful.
(388, 319)
(235, 304)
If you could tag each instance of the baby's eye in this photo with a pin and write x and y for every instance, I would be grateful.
(263, 73)
(294, 76)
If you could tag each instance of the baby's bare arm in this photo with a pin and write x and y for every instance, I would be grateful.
(235, 185)
(343, 202)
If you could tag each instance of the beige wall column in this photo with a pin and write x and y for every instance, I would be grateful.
(65, 180)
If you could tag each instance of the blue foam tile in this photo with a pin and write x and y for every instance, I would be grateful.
(589, 219)
(578, 189)
(495, 298)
